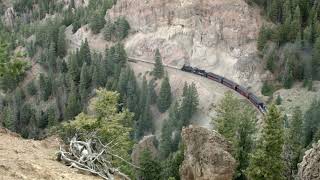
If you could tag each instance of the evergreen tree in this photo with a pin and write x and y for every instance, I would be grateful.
(189, 103)
(97, 22)
(158, 70)
(262, 38)
(311, 123)
(296, 24)
(51, 116)
(45, 87)
(73, 107)
(267, 162)
(122, 28)
(61, 45)
(73, 68)
(316, 59)
(164, 99)
(294, 141)
(32, 88)
(244, 139)
(84, 86)
(151, 168)
(278, 100)
(52, 57)
(151, 89)
(84, 52)
(144, 123)
(227, 115)
(8, 118)
(108, 30)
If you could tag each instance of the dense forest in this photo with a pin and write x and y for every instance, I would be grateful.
(84, 92)
(68, 82)
(290, 42)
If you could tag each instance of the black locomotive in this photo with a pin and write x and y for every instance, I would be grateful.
(230, 84)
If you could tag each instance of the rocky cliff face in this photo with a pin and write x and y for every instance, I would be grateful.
(309, 168)
(207, 156)
(217, 35)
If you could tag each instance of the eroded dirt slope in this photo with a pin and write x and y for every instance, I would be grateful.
(33, 160)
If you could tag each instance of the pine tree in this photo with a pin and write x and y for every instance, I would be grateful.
(84, 84)
(108, 30)
(227, 115)
(45, 87)
(158, 70)
(97, 22)
(189, 103)
(296, 24)
(73, 68)
(267, 162)
(244, 139)
(51, 116)
(52, 57)
(294, 141)
(31, 88)
(151, 89)
(262, 38)
(8, 118)
(84, 52)
(278, 100)
(151, 168)
(316, 59)
(164, 99)
(61, 45)
(73, 107)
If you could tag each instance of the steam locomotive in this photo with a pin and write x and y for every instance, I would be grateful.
(230, 84)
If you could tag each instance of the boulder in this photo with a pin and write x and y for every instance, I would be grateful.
(207, 155)
(309, 168)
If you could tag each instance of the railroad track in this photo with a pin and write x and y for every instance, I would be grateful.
(254, 100)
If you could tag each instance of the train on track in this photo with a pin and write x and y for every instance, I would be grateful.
(230, 84)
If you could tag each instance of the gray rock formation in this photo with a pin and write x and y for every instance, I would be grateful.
(9, 17)
(217, 35)
(207, 155)
(149, 143)
(309, 168)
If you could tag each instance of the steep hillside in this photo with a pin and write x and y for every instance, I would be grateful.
(215, 35)
(29, 159)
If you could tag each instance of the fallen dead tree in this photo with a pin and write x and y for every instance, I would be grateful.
(92, 156)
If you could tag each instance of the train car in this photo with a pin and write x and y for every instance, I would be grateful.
(187, 68)
(200, 72)
(229, 83)
(241, 90)
(258, 103)
(215, 77)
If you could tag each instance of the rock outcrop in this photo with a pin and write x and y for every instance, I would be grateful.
(217, 35)
(207, 155)
(309, 168)
(147, 143)
(9, 17)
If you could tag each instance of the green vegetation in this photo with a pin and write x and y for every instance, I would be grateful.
(165, 97)
(158, 70)
(108, 124)
(236, 122)
(288, 44)
(266, 162)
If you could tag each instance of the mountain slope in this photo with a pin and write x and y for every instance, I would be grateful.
(29, 159)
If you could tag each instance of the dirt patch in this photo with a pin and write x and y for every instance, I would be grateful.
(29, 159)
